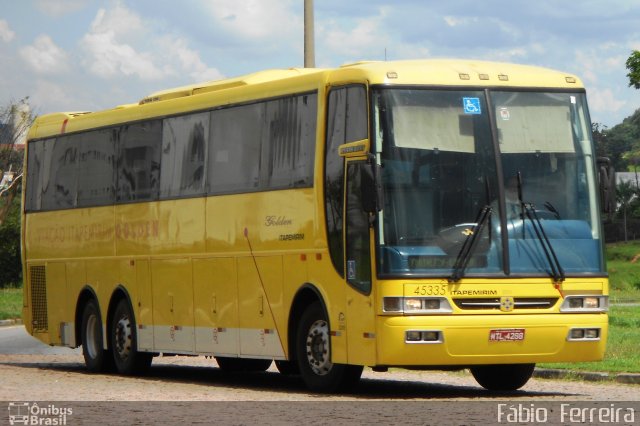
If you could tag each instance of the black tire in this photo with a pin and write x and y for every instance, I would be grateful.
(124, 343)
(506, 377)
(243, 364)
(313, 351)
(288, 368)
(96, 358)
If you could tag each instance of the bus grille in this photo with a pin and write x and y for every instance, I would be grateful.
(493, 303)
(38, 280)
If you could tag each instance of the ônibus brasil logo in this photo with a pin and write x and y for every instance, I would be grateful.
(27, 413)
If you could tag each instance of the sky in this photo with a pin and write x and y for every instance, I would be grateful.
(88, 55)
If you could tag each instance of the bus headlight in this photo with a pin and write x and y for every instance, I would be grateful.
(585, 304)
(416, 305)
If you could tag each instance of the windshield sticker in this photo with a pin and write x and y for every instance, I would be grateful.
(505, 114)
(573, 100)
(471, 105)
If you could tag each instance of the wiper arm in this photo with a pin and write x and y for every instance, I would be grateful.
(528, 210)
(556, 268)
(469, 245)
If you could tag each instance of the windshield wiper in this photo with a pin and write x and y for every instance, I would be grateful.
(529, 211)
(556, 269)
(469, 245)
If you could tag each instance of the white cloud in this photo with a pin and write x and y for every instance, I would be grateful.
(56, 8)
(604, 101)
(256, 19)
(54, 96)
(6, 34)
(364, 38)
(121, 43)
(44, 56)
(109, 55)
(189, 60)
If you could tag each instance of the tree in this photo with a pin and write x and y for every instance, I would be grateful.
(15, 120)
(633, 65)
(625, 192)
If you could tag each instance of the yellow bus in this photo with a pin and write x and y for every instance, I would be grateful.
(431, 214)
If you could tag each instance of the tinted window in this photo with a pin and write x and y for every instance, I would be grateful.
(234, 163)
(35, 167)
(184, 150)
(96, 171)
(59, 177)
(288, 142)
(139, 161)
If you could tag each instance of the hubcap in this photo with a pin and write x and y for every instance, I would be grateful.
(318, 348)
(91, 345)
(123, 337)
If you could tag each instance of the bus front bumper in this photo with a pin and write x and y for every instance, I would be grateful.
(490, 339)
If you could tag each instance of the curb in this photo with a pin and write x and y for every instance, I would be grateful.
(549, 373)
(9, 322)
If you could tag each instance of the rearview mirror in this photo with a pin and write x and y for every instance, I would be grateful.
(372, 194)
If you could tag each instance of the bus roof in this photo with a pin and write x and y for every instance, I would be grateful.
(270, 83)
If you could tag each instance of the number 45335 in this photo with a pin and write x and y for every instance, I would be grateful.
(430, 290)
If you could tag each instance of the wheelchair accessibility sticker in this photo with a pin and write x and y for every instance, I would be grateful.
(471, 105)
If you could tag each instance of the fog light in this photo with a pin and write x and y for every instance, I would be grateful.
(430, 336)
(414, 336)
(577, 333)
(592, 333)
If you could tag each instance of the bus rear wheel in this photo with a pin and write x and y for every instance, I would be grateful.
(313, 350)
(124, 342)
(507, 377)
(95, 357)
(242, 364)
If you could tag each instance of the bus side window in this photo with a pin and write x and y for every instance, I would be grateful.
(139, 161)
(346, 122)
(357, 239)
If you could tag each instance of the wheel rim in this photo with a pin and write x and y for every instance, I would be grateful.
(317, 346)
(91, 344)
(123, 338)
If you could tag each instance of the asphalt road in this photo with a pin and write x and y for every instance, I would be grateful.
(32, 371)
(15, 340)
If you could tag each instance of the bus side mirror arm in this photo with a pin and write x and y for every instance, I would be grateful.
(371, 186)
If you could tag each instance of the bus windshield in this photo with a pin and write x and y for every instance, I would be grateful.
(519, 163)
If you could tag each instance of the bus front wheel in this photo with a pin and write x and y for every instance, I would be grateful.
(124, 342)
(95, 357)
(313, 350)
(507, 377)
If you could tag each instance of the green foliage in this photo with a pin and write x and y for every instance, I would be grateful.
(10, 303)
(10, 261)
(633, 65)
(623, 264)
(621, 143)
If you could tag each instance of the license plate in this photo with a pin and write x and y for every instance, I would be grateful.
(507, 335)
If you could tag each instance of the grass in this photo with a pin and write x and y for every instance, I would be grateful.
(622, 355)
(10, 303)
(623, 264)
